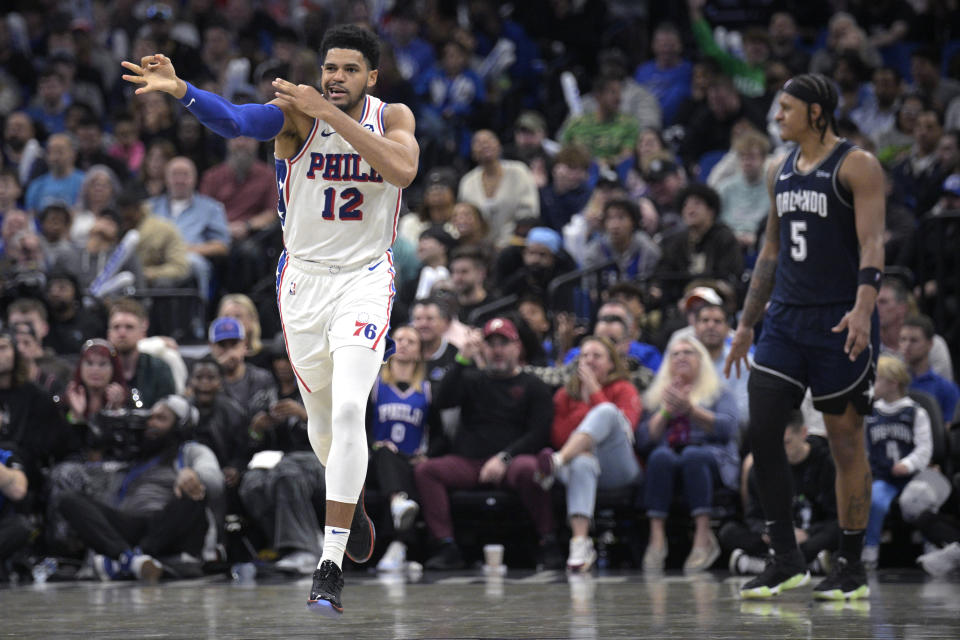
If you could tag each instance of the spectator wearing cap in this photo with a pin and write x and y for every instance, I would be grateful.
(665, 179)
(504, 413)
(244, 382)
(439, 198)
(92, 261)
(633, 252)
(542, 260)
(667, 75)
(531, 144)
(608, 134)
(504, 190)
(62, 182)
(160, 510)
(568, 191)
(744, 199)
(74, 317)
(703, 247)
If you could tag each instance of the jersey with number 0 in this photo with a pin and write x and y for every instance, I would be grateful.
(819, 251)
(401, 416)
(334, 207)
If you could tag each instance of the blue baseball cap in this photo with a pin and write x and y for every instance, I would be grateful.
(225, 328)
(546, 237)
(952, 184)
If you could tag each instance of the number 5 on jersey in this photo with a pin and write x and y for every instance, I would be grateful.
(798, 241)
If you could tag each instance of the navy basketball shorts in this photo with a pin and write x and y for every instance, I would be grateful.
(798, 347)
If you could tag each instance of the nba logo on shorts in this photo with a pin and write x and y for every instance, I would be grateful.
(293, 288)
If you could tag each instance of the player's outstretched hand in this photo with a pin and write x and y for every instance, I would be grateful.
(739, 349)
(857, 326)
(154, 73)
(302, 97)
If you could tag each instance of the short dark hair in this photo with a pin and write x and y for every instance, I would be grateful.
(711, 305)
(923, 323)
(624, 205)
(441, 303)
(27, 305)
(208, 359)
(473, 254)
(350, 36)
(703, 192)
(929, 53)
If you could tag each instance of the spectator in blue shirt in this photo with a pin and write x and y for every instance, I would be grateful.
(916, 340)
(613, 313)
(668, 75)
(413, 54)
(49, 107)
(451, 93)
(202, 221)
(63, 182)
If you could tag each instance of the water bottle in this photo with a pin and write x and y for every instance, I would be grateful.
(44, 569)
(243, 573)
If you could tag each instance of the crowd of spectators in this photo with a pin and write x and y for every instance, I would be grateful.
(590, 201)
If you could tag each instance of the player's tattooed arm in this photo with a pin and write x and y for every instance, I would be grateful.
(761, 286)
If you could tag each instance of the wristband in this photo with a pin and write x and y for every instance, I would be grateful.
(463, 360)
(666, 414)
(870, 276)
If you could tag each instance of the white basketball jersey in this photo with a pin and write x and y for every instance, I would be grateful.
(334, 208)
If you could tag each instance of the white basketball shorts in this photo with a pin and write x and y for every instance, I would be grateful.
(324, 307)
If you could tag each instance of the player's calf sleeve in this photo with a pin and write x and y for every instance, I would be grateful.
(354, 371)
(771, 402)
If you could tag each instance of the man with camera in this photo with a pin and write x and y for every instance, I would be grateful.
(160, 499)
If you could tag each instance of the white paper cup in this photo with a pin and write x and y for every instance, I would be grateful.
(493, 555)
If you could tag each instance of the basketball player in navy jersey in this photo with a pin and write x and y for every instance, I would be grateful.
(820, 269)
(342, 159)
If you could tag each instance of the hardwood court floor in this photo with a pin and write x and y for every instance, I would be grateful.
(905, 605)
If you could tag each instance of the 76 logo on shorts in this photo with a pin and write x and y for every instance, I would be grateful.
(369, 330)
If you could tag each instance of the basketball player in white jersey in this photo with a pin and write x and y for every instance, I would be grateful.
(342, 158)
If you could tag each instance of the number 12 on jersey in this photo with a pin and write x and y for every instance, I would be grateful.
(349, 210)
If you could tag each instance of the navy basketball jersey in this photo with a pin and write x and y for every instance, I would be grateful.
(819, 250)
(401, 416)
(889, 438)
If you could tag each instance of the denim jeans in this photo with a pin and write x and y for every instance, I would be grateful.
(611, 465)
(882, 495)
(696, 467)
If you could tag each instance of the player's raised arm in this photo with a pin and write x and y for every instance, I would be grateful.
(156, 73)
(395, 155)
(862, 174)
(761, 284)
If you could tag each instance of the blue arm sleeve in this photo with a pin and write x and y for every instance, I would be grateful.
(260, 121)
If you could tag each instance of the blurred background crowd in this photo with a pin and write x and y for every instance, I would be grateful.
(592, 171)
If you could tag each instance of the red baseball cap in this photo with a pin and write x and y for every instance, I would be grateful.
(500, 327)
